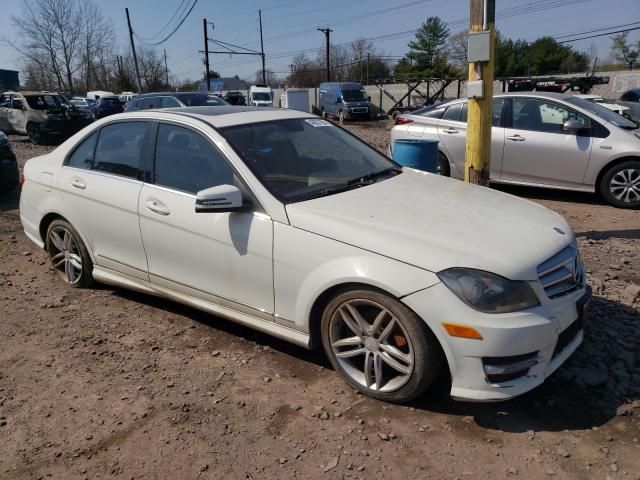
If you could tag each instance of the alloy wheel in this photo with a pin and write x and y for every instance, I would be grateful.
(625, 185)
(371, 345)
(65, 255)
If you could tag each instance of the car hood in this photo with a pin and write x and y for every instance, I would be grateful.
(435, 223)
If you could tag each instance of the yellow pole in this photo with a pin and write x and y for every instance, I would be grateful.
(478, 149)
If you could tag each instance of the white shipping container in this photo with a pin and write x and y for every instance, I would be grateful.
(296, 99)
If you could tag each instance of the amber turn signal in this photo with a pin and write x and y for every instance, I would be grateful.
(462, 331)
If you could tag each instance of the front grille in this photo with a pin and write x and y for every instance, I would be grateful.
(567, 336)
(561, 274)
(360, 110)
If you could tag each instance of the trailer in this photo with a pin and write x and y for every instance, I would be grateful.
(581, 85)
(439, 84)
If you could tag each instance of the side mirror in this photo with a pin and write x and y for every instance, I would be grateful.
(572, 126)
(222, 198)
(369, 99)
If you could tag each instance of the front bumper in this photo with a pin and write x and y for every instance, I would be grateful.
(548, 334)
(357, 112)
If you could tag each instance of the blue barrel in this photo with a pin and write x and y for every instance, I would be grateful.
(418, 154)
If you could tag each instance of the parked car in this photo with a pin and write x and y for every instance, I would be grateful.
(125, 97)
(83, 105)
(108, 106)
(540, 139)
(631, 99)
(41, 115)
(147, 101)
(9, 175)
(235, 98)
(614, 107)
(284, 222)
(346, 101)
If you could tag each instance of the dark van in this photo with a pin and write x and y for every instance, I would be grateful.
(346, 101)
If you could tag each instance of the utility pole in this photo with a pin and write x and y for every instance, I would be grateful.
(206, 55)
(368, 56)
(133, 50)
(166, 69)
(264, 78)
(326, 32)
(480, 93)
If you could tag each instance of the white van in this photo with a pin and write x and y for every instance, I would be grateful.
(98, 94)
(260, 96)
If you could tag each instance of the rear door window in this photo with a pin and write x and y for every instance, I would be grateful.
(151, 102)
(453, 113)
(82, 157)
(168, 102)
(119, 149)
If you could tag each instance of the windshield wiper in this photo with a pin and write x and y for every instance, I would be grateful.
(351, 184)
(369, 178)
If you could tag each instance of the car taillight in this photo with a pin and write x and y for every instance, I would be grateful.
(400, 120)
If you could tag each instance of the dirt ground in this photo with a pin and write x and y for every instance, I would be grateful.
(106, 383)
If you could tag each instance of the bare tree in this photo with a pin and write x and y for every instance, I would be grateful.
(97, 38)
(272, 79)
(458, 49)
(152, 69)
(626, 51)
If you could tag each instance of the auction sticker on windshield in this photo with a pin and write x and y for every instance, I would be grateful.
(318, 122)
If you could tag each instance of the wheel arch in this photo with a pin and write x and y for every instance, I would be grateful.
(315, 314)
(48, 218)
(603, 171)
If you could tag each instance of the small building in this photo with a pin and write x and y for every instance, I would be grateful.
(9, 80)
(225, 84)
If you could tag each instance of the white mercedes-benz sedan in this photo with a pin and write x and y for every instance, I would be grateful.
(289, 224)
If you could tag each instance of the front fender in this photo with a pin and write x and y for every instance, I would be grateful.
(306, 265)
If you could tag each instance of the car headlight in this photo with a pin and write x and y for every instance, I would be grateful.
(3, 137)
(488, 292)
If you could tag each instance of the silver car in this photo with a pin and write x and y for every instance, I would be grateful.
(540, 139)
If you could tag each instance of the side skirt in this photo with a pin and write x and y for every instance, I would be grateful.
(111, 277)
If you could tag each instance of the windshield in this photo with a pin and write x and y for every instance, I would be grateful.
(43, 102)
(265, 96)
(78, 103)
(296, 159)
(354, 95)
(604, 113)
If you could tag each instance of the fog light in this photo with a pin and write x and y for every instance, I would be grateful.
(504, 369)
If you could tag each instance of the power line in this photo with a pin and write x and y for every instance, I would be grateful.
(181, 6)
(600, 35)
(594, 30)
(173, 31)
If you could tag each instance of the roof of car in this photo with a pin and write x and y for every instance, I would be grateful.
(164, 94)
(218, 117)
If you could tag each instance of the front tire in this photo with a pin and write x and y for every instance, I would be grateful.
(379, 346)
(68, 255)
(620, 185)
(341, 116)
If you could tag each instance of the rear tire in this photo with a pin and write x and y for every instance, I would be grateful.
(324, 113)
(443, 165)
(341, 116)
(68, 255)
(35, 136)
(620, 185)
(379, 346)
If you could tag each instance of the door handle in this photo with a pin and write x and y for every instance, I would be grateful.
(78, 183)
(450, 130)
(516, 138)
(156, 206)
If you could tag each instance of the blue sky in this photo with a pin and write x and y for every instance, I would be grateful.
(290, 26)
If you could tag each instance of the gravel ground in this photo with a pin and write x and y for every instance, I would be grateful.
(109, 383)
